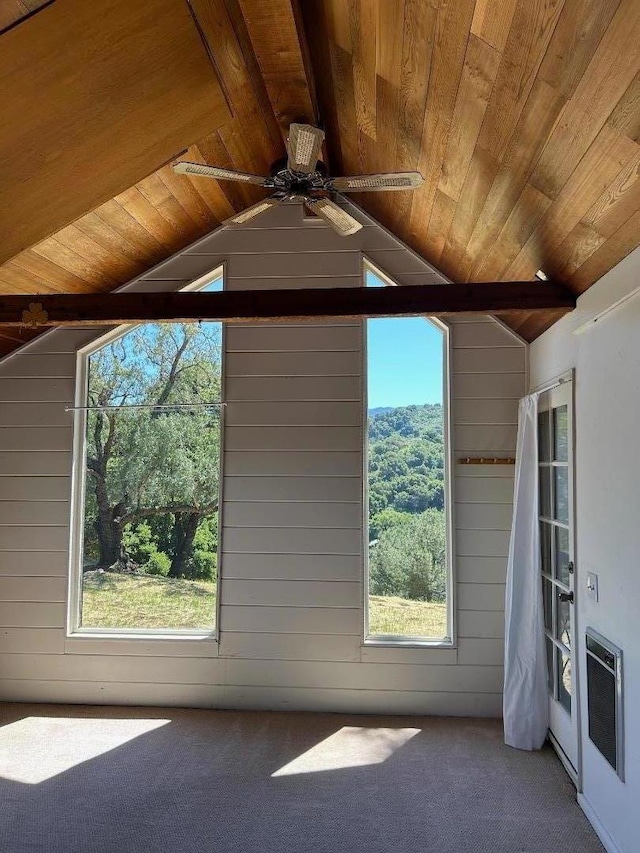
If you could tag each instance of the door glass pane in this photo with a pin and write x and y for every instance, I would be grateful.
(544, 449)
(550, 679)
(545, 492)
(563, 620)
(563, 662)
(562, 555)
(561, 494)
(560, 434)
(545, 547)
(547, 602)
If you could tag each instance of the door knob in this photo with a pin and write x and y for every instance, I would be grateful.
(566, 596)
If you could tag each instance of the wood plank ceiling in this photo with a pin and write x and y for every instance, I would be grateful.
(523, 116)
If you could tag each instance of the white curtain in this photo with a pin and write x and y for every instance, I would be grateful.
(525, 701)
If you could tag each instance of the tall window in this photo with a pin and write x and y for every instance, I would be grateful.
(408, 554)
(151, 479)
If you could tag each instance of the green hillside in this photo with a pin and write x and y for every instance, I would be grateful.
(407, 553)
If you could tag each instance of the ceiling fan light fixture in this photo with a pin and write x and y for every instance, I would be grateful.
(542, 276)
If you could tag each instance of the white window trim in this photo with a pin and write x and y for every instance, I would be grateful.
(381, 641)
(128, 640)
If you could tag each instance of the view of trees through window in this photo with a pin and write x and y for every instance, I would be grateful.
(406, 478)
(152, 457)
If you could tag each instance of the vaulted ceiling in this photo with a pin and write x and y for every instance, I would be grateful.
(522, 115)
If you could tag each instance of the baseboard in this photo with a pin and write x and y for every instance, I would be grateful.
(564, 760)
(607, 842)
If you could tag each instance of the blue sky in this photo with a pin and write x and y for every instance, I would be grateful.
(404, 358)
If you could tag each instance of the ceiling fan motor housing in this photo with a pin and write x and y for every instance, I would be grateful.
(289, 181)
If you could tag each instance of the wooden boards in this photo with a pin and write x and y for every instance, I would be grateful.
(94, 97)
(523, 116)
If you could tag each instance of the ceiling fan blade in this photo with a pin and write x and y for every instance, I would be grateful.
(251, 212)
(378, 183)
(303, 146)
(205, 171)
(335, 216)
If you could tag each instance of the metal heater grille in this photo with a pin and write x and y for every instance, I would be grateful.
(604, 698)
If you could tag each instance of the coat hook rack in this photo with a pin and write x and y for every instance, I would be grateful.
(486, 460)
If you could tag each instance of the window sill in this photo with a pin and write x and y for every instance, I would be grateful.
(141, 644)
(435, 652)
(408, 643)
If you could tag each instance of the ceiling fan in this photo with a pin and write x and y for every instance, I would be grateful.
(302, 176)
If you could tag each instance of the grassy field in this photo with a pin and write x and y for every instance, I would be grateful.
(148, 601)
(400, 616)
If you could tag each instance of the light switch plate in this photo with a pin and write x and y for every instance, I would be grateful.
(592, 585)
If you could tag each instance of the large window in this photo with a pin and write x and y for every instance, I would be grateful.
(408, 553)
(148, 499)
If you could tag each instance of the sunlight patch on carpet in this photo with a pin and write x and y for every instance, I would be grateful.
(351, 746)
(38, 748)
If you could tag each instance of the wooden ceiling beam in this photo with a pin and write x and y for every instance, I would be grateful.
(257, 306)
(279, 43)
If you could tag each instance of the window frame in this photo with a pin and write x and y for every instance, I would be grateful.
(74, 629)
(400, 641)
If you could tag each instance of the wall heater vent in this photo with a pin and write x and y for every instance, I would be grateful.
(604, 698)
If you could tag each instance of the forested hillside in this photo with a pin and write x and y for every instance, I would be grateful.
(406, 502)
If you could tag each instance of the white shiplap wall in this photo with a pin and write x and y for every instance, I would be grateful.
(292, 586)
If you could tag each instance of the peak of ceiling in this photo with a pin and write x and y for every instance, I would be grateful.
(523, 117)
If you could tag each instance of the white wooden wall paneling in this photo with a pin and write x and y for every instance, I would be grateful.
(40, 390)
(300, 463)
(29, 614)
(334, 337)
(294, 438)
(303, 567)
(34, 489)
(292, 593)
(37, 589)
(43, 438)
(299, 489)
(305, 647)
(485, 516)
(248, 697)
(481, 569)
(26, 414)
(35, 463)
(32, 641)
(53, 564)
(302, 363)
(330, 413)
(34, 512)
(293, 514)
(291, 540)
(330, 675)
(291, 617)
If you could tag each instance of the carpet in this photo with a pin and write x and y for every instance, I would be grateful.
(77, 779)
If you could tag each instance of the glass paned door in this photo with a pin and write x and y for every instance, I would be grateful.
(555, 468)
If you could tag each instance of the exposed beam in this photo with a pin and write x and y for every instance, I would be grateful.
(100, 309)
(93, 98)
(279, 43)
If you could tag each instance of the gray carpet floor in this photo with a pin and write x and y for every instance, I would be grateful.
(77, 779)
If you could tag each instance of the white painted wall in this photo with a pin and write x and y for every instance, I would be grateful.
(606, 358)
(291, 563)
